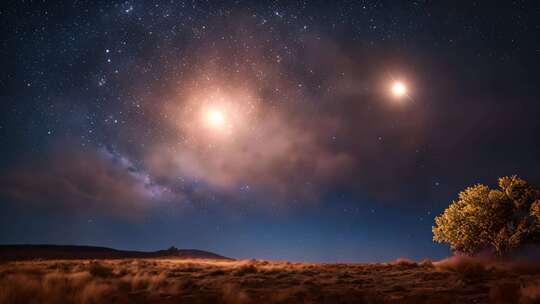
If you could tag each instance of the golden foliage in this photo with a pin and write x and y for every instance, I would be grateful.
(482, 218)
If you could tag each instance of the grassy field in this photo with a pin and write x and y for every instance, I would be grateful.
(457, 280)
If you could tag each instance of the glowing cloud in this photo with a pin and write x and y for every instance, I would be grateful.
(228, 136)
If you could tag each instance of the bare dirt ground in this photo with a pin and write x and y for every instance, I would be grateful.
(204, 281)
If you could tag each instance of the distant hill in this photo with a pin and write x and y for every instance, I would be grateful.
(52, 252)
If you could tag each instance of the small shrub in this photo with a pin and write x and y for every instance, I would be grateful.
(427, 263)
(245, 269)
(468, 267)
(99, 270)
(404, 262)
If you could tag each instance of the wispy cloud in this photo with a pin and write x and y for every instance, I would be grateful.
(83, 180)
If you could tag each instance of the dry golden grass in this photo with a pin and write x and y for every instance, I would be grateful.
(458, 280)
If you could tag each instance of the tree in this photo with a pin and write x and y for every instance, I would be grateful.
(498, 219)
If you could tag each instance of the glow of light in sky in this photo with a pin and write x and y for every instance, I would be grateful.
(399, 89)
(214, 118)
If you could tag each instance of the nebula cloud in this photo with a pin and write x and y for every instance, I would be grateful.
(258, 145)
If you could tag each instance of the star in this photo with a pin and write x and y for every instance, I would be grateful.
(399, 89)
(214, 118)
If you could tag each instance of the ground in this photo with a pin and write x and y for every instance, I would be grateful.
(254, 281)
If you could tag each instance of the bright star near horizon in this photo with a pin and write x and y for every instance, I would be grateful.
(399, 89)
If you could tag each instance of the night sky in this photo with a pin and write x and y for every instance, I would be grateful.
(260, 130)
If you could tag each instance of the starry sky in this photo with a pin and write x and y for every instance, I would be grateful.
(260, 129)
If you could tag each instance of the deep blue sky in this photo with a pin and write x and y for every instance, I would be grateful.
(104, 136)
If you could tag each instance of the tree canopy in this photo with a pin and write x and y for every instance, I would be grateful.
(500, 219)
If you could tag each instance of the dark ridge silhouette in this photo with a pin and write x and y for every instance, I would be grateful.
(72, 252)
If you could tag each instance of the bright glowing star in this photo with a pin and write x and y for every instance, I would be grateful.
(215, 118)
(399, 89)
